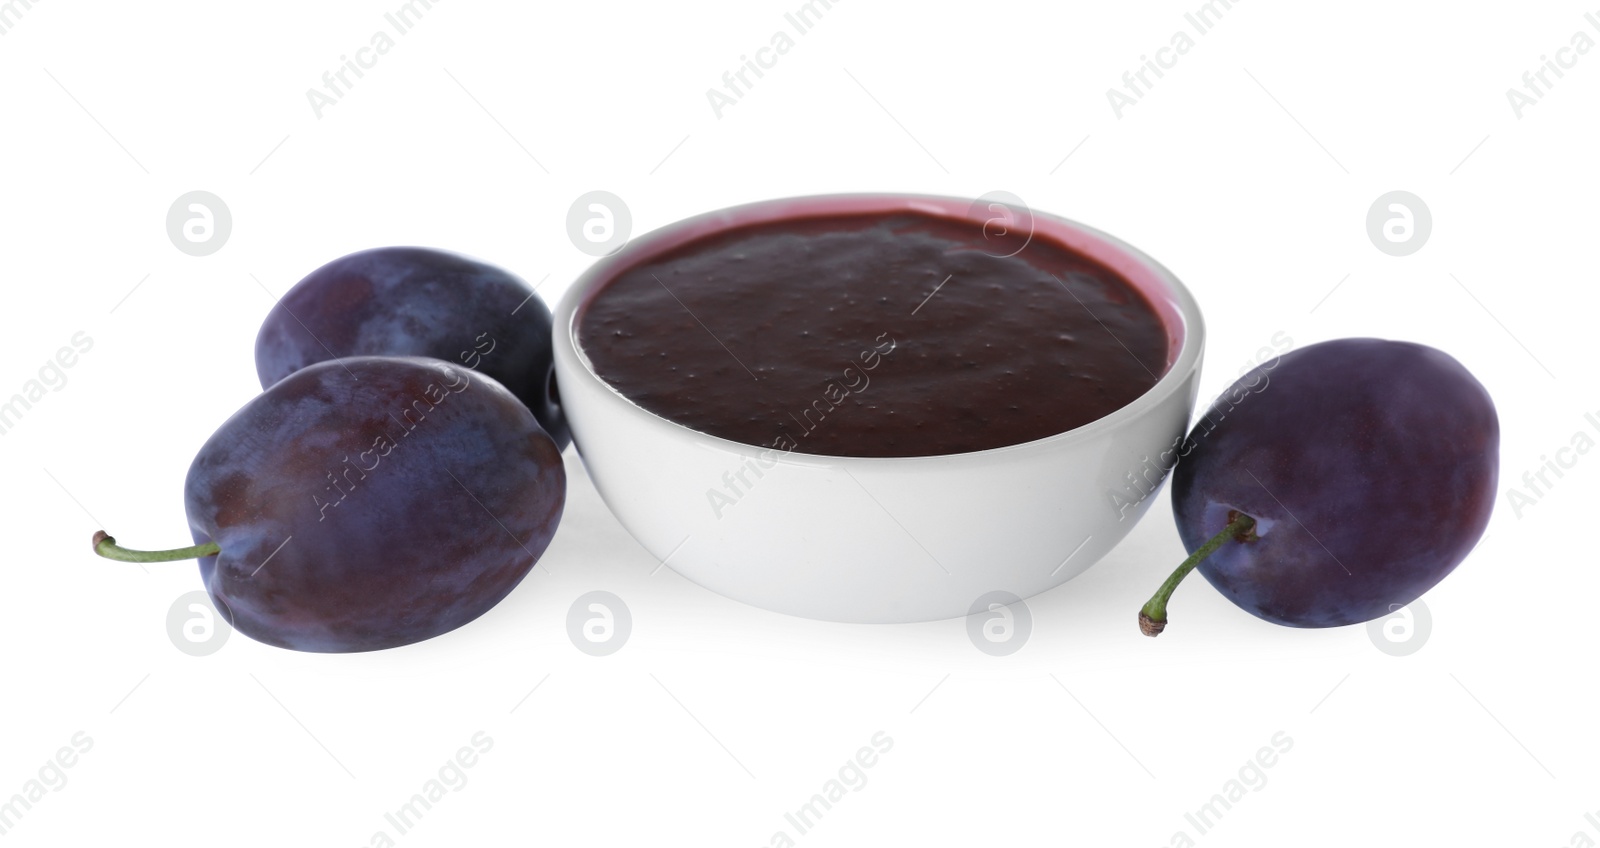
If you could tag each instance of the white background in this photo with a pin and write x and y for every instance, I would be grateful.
(1248, 169)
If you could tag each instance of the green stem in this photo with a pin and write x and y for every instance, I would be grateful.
(107, 547)
(1153, 616)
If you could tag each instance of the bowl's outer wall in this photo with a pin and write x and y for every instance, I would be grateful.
(889, 542)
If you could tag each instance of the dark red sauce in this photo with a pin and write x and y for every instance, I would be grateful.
(874, 335)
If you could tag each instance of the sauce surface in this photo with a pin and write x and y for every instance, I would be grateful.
(874, 335)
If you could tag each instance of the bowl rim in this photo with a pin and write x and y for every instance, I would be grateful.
(1172, 301)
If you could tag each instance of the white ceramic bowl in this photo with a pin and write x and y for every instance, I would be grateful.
(866, 539)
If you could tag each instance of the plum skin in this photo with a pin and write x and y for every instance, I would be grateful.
(413, 301)
(334, 497)
(1369, 465)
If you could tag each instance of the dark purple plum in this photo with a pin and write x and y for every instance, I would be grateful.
(1355, 475)
(369, 502)
(412, 301)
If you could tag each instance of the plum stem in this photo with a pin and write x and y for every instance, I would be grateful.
(107, 547)
(1153, 616)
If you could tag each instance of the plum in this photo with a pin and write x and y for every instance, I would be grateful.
(368, 502)
(412, 301)
(1336, 483)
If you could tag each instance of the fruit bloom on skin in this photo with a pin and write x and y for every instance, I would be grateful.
(411, 301)
(1368, 466)
(371, 502)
